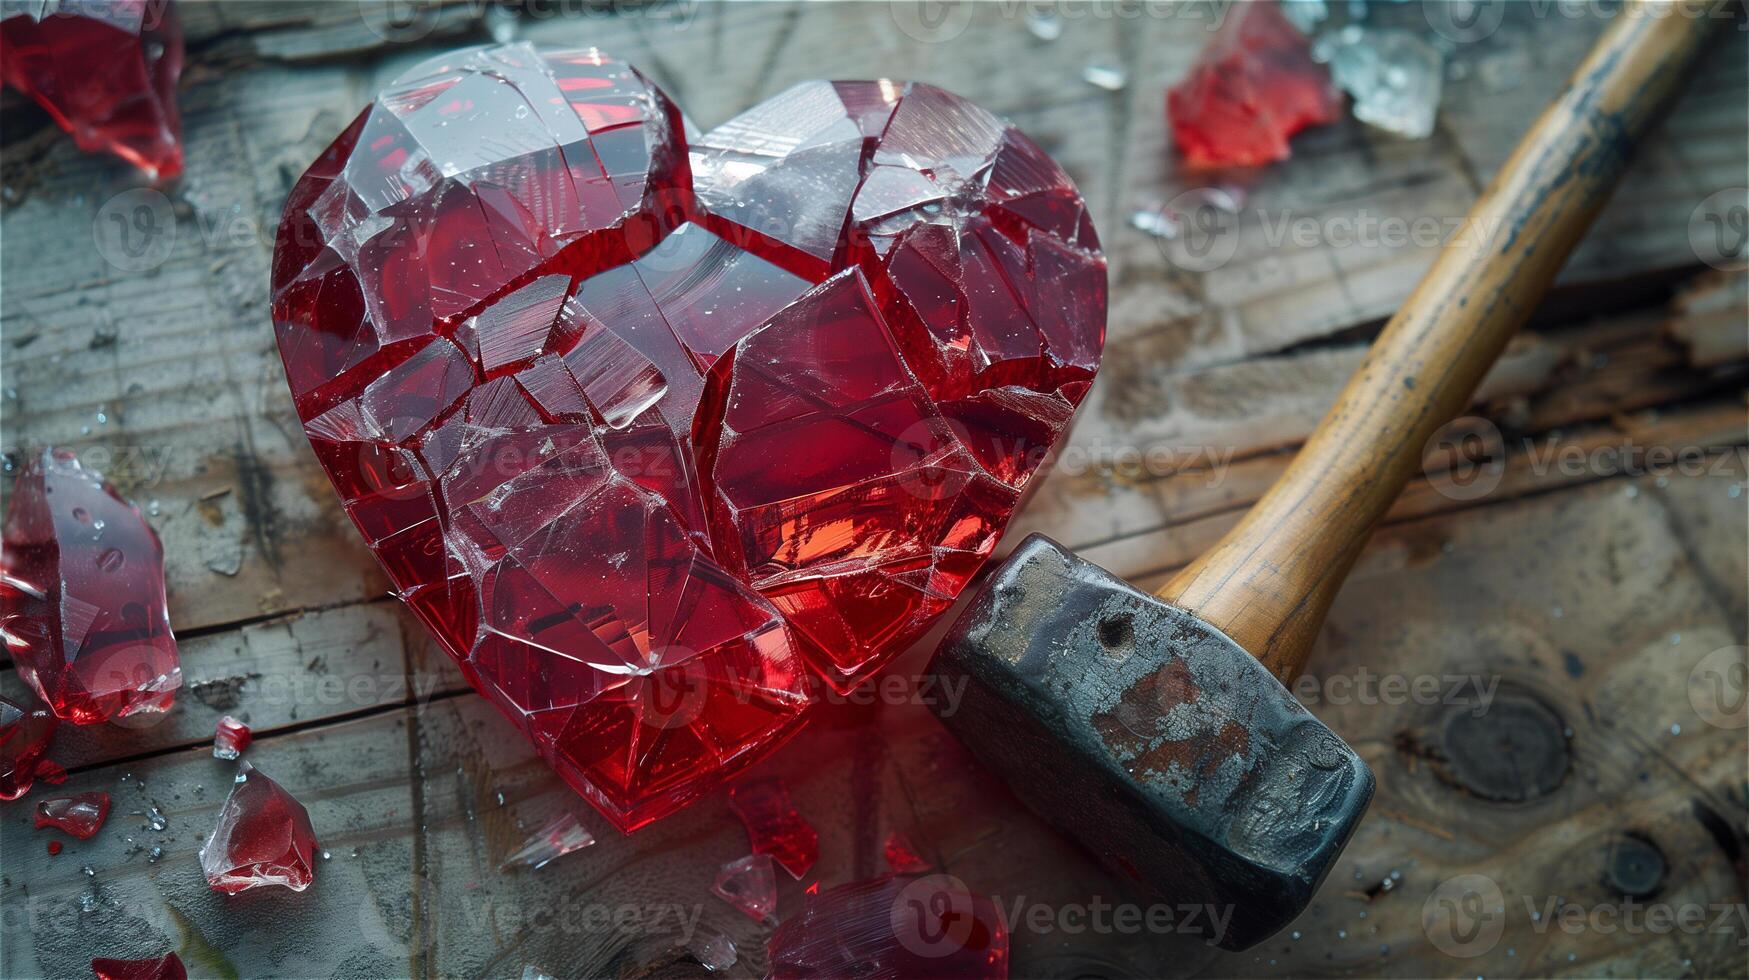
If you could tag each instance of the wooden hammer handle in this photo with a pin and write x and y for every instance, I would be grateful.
(1270, 581)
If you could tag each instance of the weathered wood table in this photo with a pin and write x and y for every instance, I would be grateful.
(1544, 668)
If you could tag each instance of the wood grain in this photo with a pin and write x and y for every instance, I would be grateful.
(1269, 582)
(405, 766)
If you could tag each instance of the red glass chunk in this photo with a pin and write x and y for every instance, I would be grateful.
(25, 735)
(1254, 85)
(51, 772)
(901, 856)
(166, 967)
(230, 738)
(893, 928)
(54, 848)
(749, 885)
(81, 815)
(263, 838)
(774, 825)
(82, 605)
(643, 431)
(106, 70)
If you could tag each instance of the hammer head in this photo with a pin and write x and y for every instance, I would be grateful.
(1153, 740)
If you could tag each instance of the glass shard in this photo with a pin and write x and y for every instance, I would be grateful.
(713, 950)
(106, 70)
(1254, 85)
(263, 838)
(774, 825)
(893, 928)
(80, 815)
(749, 885)
(230, 738)
(558, 837)
(166, 967)
(26, 732)
(1394, 77)
(82, 607)
(901, 857)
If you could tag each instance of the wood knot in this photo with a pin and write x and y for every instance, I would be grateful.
(1514, 752)
(1635, 866)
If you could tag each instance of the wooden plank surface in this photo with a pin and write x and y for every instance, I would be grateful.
(1213, 371)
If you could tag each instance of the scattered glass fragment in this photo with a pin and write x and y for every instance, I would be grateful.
(263, 837)
(166, 967)
(774, 825)
(1154, 221)
(155, 818)
(51, 772)
(82, 607)
(749, 884)
(54, 847)
(531, 972)
(80, 815)
(105, 70)
(713, 950)
(901, 856)
(559, 837)
(1105, 75)
(25, 735)
(1394, 77)
(892, 928)
(230, 738)
(645, 334)
(1305, 15)
(1046, 25)
(1253, 86)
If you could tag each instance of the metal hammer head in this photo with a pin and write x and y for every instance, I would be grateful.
(1152, 739)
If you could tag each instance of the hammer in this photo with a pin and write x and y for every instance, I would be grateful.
(1156, 730)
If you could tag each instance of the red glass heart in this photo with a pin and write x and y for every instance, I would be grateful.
(644, 425)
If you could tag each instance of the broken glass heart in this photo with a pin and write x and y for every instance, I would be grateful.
(649, 427)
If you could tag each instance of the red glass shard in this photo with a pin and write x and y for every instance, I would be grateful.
(901, 857)
(644, 431)
(82, 605)
(230, 738)
(263, 837)
(25, 735)
(51, 772)
(893, 928)
(81, 815)
(774, 825)
(106, 70)
(166, 967)
(1253, 86)
(749, 885)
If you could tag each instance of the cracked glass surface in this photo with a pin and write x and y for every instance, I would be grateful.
(653, 436)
